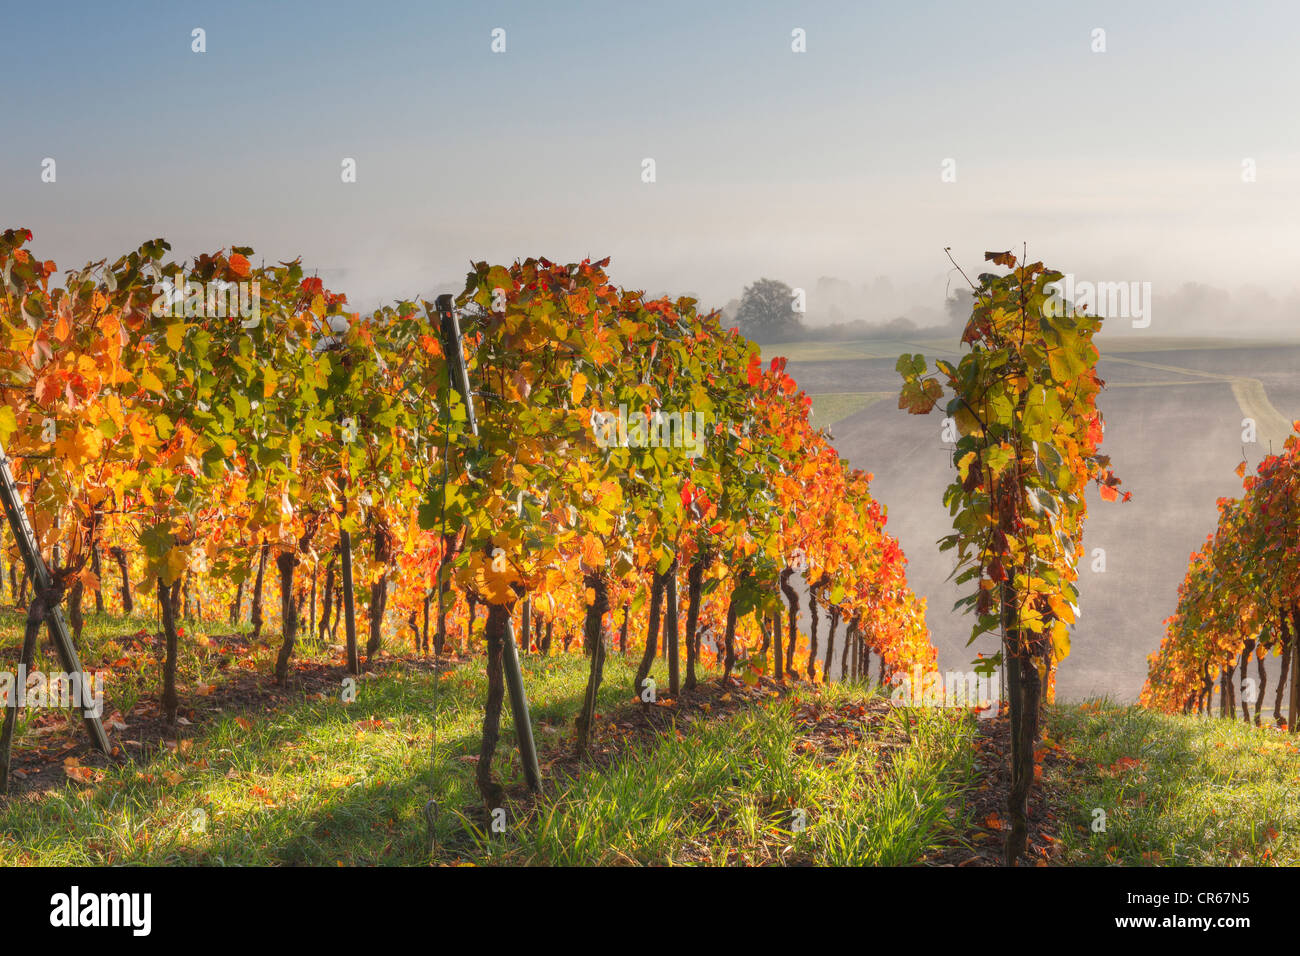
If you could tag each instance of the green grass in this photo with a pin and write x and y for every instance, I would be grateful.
(310, 779)
(107, 639)
(830, 407)
(735, 791)
(851, 350)
(317, 781)
(1202, 792)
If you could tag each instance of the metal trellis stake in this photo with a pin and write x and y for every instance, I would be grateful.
(41, 577)
(459, 379)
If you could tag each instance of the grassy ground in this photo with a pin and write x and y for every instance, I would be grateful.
(779, 775)
(299, 776)
(761, 787)
(816, 351)
(829, 407)
(1175, 790)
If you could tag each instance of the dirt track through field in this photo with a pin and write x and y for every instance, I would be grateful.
(1252, 398)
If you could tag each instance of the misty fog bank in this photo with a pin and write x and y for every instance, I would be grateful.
(837, 309)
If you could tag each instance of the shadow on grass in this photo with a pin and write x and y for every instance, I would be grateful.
(299, 781)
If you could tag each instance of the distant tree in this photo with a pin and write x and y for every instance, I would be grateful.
(729, 313)
(901, 326)
(958, 308)
(766, 314)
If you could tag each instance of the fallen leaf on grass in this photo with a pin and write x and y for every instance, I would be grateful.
(1119, 766)
(72, 767)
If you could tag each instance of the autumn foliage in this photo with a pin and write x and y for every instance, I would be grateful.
(1238, 601)
(207, 448)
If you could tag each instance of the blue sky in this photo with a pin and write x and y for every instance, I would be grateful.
(1123, 165)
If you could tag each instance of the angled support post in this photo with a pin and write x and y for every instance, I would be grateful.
(459, 380)
(39, 573)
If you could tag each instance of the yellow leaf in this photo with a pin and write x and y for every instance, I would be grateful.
(176, 562)
(1061, 608)
(8, 422)
(142, 433)
(78, 445)
(493, 585)
(578, 389)
(175, 333)
(113, 406)
(151, 381)
(1060, 641)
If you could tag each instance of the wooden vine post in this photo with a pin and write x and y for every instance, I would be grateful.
(349, 608)
(39, 574)
(458, 378)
